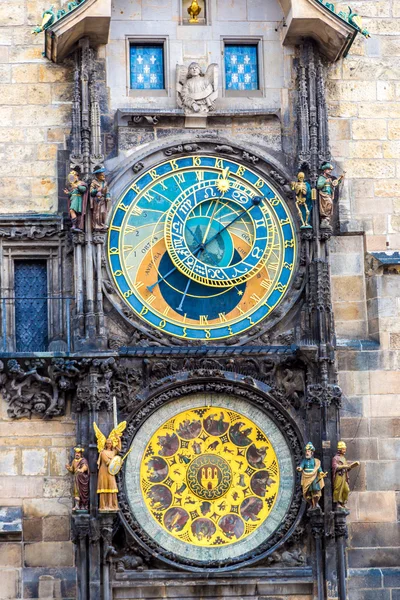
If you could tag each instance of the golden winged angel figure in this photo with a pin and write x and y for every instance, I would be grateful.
(108, 449)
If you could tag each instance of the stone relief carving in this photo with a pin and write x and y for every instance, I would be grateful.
(196, 92)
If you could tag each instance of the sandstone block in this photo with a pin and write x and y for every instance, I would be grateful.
(8, 462)
(386, 187)
(10, 555)
(385, 382)
(351, 427)
(385, 406)
(378, 110)
(26, 73)
(47, 151)
(366, 150)
(33, 530)
(389, 448)
(5, 73)
(9, 584)
(58, 459)
(352, 91)
(43, 187)
(12, 13)
(391, 46)
(40, 116)
(394, 130)
(34, 462)
(5, 36)
(362, 449)
(349, 311)
(56, 529)
(49, 554)
(21, 153)
(62, 92)
(39, 93)
(385, 91)
(383, 475)
(50, 73)
(22, 487)
(56, 487)
(22, 54)
(373, 557)
(377, 507)
(349, 288)
(342, 109)
(13, 94)
(391, 149)
(339, 129)
(55, 135)
(346, 264)
(11, 135)
(379, 169)
(44, 507)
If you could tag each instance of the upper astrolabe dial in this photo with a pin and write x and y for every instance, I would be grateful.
(219, 237)
(201, 247)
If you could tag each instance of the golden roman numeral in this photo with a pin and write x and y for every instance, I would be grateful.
(203, 319)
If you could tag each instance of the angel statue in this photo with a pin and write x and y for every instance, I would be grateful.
(108, 449)
(196, 91)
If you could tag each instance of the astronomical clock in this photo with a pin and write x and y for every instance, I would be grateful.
(201, 247)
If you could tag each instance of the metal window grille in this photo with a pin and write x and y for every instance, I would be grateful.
(147, 67)
(31, 310)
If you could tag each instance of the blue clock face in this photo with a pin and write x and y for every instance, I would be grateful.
(201, 247)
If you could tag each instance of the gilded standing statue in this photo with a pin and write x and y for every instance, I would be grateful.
(108, 449)
(312, 476)
(340, 475)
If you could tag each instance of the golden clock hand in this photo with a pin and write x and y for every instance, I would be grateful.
(210, 221)
(255, 202)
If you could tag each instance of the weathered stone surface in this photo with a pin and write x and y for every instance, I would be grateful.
(377, 507)
(369, 595)
(364, 579)
(33, 530)
(364, 535)
(34, 462)
(9, 584)
(65, 575)
(372, 557)
(383, 475)
(8, 462)
(10, 555)
(56, 529)
(49, 554)
(44, 507)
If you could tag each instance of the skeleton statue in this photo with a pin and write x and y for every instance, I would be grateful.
(196, 91)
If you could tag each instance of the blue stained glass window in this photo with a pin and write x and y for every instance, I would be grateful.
(241, 67)
(31, 319)
(147, 67)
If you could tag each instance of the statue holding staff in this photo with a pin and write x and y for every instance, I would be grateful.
(312, 476)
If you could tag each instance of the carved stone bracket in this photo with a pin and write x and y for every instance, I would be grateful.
(80, 527)
(323, 395)
(316, 517)
(38, 387)
(340, 517)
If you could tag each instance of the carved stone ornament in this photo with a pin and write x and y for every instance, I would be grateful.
(196, 92)
(38, 387)
(324, 395)
(209, 383)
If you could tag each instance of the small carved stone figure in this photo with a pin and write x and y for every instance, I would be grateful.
(340, 475)
(106, 484)
(312, 476)
(197, 91)
(99, 199)
(77, 200)
(302, 190)
(326, 186)
(79, 467)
